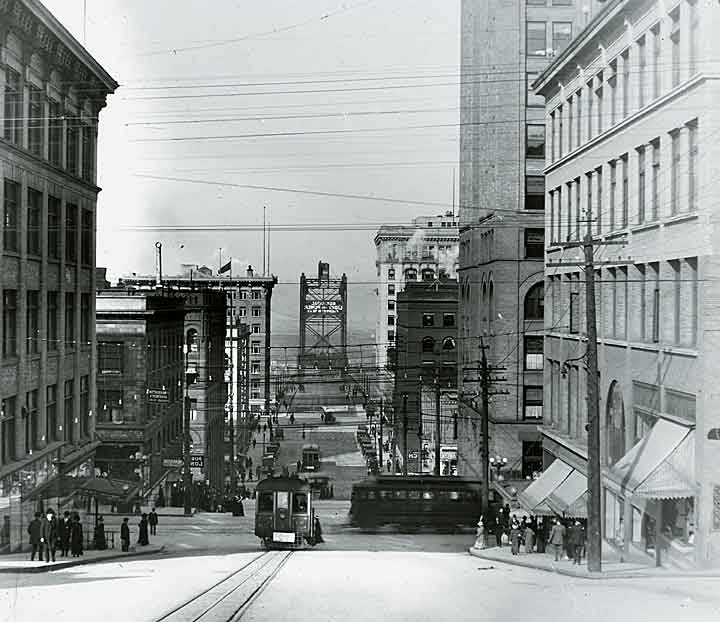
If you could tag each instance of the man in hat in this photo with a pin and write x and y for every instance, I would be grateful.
(49, 535)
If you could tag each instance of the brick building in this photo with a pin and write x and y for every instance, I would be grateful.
(504, 47)
(51, 94)
(407, 253)
(629, 116)
(426, 358)
(140, 386)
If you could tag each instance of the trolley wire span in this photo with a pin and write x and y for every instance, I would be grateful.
(220, 606)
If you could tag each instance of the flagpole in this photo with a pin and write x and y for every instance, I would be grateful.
(268, 247)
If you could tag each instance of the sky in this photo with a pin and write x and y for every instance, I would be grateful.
(229, 106)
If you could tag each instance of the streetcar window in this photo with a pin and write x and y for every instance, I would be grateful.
(414, 494)
(265, 502)
(283, 500)
(386, 494)
(454, 495)
(371, 494)
(401, 494)
(427, 495)
(299, 502)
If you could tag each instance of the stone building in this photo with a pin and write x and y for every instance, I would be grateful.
(404, 254)
(51, 94)
(504, 47)
(426, 359)
(140, 387)
(631, 123)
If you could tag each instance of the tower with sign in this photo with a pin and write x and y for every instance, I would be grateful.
(323, 320)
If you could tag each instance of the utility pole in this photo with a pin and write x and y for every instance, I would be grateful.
(405, 431)
(485, 427)
(187, 476)
(380, 443)
(437, 421)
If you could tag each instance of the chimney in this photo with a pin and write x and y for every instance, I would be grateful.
(249, 272)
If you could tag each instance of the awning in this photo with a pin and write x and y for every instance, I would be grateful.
(534, 495)
(568, 493)
(661, 465)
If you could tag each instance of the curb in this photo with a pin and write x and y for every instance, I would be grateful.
(568, 572)
(79, 562)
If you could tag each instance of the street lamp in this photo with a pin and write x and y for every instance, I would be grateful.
(498, 463)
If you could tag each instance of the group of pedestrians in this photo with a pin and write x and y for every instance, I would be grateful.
(570, 539)
(48, 534)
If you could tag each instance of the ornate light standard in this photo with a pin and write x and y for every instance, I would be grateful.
(498, 463)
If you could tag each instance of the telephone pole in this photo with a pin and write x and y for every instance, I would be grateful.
(485, 426)
(405, 431)
(187, 476)
(437, 421)
(380, 443)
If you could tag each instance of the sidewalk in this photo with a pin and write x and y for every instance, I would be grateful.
(104, 510)
(612, 566)
(20, 562)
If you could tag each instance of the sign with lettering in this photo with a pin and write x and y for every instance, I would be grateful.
(171, 462)
(197, 461)
(158, 396)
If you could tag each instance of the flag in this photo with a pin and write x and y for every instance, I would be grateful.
(225, 268)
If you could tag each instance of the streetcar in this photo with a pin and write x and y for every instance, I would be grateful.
(416, 501)
(310, 457)
(284, 515)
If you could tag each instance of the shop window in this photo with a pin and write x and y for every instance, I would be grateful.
(428, 319)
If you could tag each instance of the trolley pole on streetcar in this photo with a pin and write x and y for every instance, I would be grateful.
(405, 431)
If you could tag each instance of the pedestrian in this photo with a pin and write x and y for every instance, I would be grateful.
(34, 531)
(541, 534)
(143, 539)
(99, 535)
(49, 536)
(153, 520)
(515, 537)
(292, 419)
(480, 535)
(557, 536)
(64, 534)
(318, 530)
(254, 442)
(577, 541)
(125, 535)
(529, 538)
(76, 536)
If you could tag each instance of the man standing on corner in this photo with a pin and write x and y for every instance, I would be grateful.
(153, 521)
(34, 530)
(125, 535)
(557, 536)
(49, 535)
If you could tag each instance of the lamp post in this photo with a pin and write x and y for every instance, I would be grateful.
(498, 463)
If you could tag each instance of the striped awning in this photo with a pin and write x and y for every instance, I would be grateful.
(534, 496)
(674, 478)
(567, 494)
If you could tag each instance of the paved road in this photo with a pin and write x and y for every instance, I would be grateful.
(354, 576)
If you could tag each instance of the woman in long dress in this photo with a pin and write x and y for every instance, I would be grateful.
(76, 536)
(143, 539)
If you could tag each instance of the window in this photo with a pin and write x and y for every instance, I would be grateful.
(55, 134)
(569, 210)
(624, 196)
(590, 112)
(654, 276)
(536, 2)
(86, 320)
(534, 193)
(52, 321)
(71, 225)
(643, 301)
(657, 55)
(448, 320)
(532, 402)
(562, 2)
(391, 289)
(7, 429)
(69, 410)
(32, 320)
(84, 406)
(613, 192)
(535, 141)
(561, 134)
(625, 84)
(599, 97)
(536, 39)
(533, 352)
(534, 307)
(391, 305)
(552, 217)
(34, 211)
(256, 328)
(51, 412)
(11, 216)
(690, 299)
(599, 210)
(578, 210)
(534, 243)
(36, 121)
(641, 184)
(256, 311)
(10, 322)
(88, 153)
(255, 347)
(561, 34)
(448, 344)
(612, 88)
(428, 319)
(411, 274)
(255, 368)
(675, 45)
(655, 180)
(574, 312)
(391, 274)
(571, 123)
(299, 502)
(589, 198)
(693, 35)
(692, 164)
(69, 320)
(428, 345)
(677, 303)
(53, 233)
(73, 145)
(578, 124)
(256, 295)
(13, 107)
(242, 312)
(533, 100)
(642, 68)
(428, 274)
(391, 335)
(86, 238)
(675, 172)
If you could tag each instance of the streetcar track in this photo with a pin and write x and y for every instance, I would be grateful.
(265, 559)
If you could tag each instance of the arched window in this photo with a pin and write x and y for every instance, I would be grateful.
(428, 274)
(391, 274)
(535, 302)
(411, 274)
(615, 424)
(448, 343)
(428, 344)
